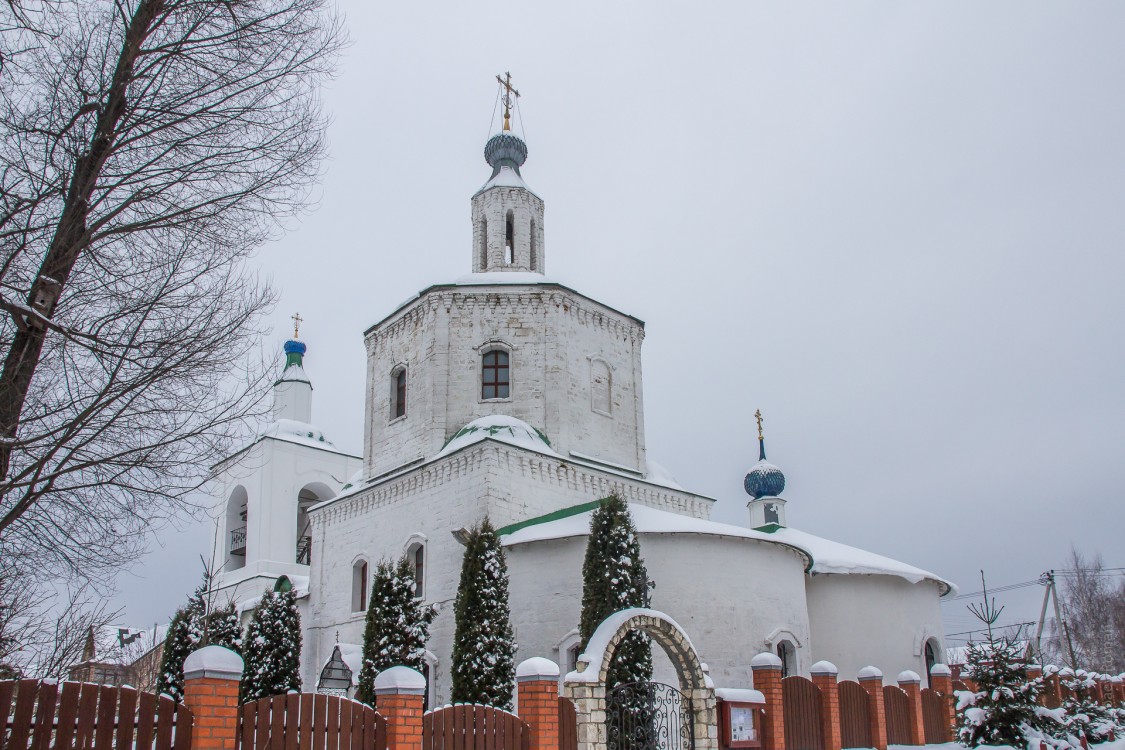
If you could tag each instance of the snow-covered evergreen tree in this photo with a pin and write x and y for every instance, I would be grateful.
(184, 635)
(396, 627)
(614, 577)
(272, 647)
(483, 645)
(222, 628)
(1087, 716)
(1004, 709)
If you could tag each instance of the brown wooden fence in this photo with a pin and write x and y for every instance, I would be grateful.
(935, 723)
(802, 714)
(897, 708)
(49, 716)
(308, 721)
(854, 701)
(568, 724)
(464, 727)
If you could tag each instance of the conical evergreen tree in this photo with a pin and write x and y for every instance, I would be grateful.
(224, 629)
(484, 648)
(184, 635)
(272, 648)
(614, 578)
(396, 627)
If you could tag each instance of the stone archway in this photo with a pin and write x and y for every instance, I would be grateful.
(586, 686)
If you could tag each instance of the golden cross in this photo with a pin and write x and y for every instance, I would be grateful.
(297, 320)
(758, 416)
(506, 82)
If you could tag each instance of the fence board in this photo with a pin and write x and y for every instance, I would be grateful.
(44, 716)
(146, 720)
(184, 727)
(7, 688)
(897, 708)
(320, 719)
(802, 714)
(471, 727)
(25, 707)
(87, 713)
(68, 715)
(292, 720)
(568, 725)
(854, 702)
(127, 710)
(165, 716)
(934, 724)
(107, 712)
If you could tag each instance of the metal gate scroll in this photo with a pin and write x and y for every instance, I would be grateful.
(649, 716)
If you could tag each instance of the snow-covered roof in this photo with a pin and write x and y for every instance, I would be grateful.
(506, 177)
(488, 278)
(822, 555)
(657, 474)
(502, 428)
(352, 654)
(299, 433)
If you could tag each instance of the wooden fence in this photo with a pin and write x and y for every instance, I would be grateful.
(465, 727)
(855, 731)
(897, 707)
(568, 724)
(308, 721)
(802, 714)
(935, 720)
(78, 715)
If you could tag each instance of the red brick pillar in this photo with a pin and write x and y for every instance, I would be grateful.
(824, 677)
(1064, 675)
(211, 678)
(767, 681)
(871, 680)
(941, 680)
(910, 682)
(1118, 690)
(537, 698)
(399, 696)
(1051, 683)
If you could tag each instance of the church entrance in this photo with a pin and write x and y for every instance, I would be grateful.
(649, 716)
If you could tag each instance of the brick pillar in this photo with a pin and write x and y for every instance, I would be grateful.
(767, 681)
(824, 677)
(941, 680)
(910, 682)
(1051, 683)
(871, 680)
(211, 678)
(1118, 690)
(537, 696)
(399, 694)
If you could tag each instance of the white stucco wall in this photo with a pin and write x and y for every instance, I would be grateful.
(861, 620)
(554, 335)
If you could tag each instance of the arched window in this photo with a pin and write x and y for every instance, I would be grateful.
(788, 655)
(236, 527)
(359, 586)
(494, 374)
(416, 554)
(398, 392)
(601, 386)
(931, 659)
(509, 239)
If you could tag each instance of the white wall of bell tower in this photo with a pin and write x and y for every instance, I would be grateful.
(507, 229)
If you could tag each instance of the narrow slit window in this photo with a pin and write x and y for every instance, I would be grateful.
(359, 586)
(398, 394)
(494, 375)
(509, 239)
(419, 562)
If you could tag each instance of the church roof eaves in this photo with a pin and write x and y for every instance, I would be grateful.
(282, 439)
(460, 285)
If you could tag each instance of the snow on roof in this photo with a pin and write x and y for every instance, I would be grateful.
(594, 653)
(537, 666)
(299, 433)
(502, 277)
(740, 695)
(823, 555)
(294, 373)
(352, 654)
(506, 177)
(657, 474)
(503, 428)
(213, 661)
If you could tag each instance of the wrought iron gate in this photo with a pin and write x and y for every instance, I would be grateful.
(649, 716)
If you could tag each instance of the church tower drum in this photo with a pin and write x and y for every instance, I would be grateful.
(507, 216)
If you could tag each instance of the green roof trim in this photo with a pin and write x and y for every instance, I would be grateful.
(769, 528)
(573, 510)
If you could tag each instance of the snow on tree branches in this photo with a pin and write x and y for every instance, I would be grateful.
(483, 645)
(396, 628)
(272, 647)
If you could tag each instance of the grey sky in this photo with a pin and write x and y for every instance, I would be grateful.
(894, 227)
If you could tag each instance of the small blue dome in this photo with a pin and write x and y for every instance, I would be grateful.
(505, 150)
(764, 480)
(294, 347)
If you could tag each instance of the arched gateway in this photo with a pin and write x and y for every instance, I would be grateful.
(681, 718)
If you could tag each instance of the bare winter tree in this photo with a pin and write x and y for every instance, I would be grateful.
(1093, 609)
(147, 147)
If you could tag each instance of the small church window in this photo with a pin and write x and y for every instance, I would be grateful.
(788, 656)
(600, 386)
(417, 555)
(494, 374)
(772, 516)
(398, 393)
(359, 586)
(534, 250)
(509, 239)
(484, 245)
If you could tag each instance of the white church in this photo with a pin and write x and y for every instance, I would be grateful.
(509, 395)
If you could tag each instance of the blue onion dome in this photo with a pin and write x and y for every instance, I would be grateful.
(294, 354)
(505, 149)
(295, 347)
(764, 480)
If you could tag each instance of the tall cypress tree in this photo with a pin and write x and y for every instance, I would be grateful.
(396, 627)
(224, 629)
(614, 577)
(272, 648)
(483, 645)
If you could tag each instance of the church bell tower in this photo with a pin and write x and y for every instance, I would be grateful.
(507, 215)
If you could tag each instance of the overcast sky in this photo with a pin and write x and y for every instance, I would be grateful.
(896, 228)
